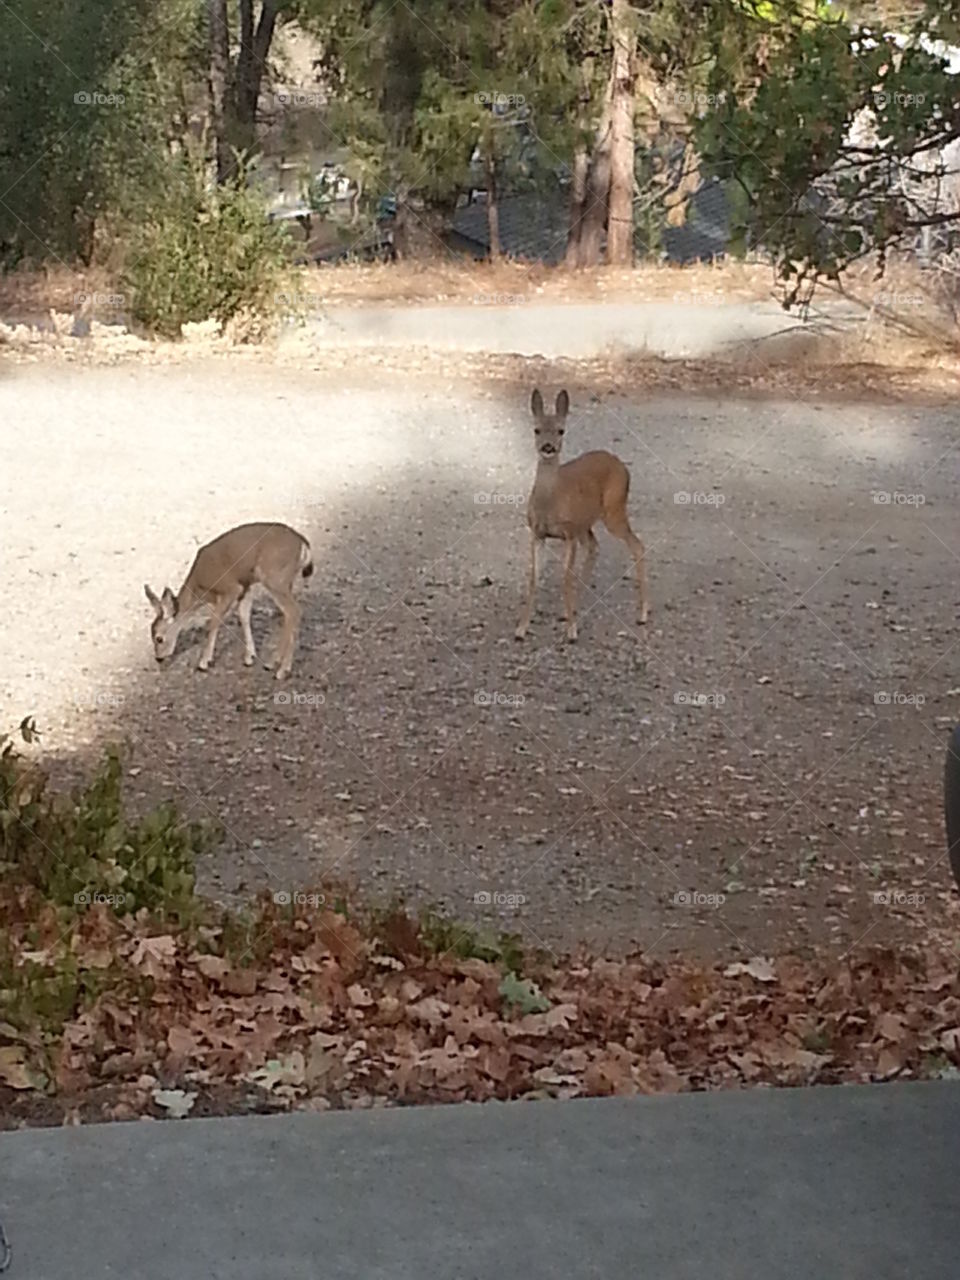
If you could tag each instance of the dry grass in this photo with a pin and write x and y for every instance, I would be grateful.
(462, 281)
(903, 349)
(29, 293)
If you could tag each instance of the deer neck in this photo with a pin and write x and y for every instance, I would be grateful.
(545, 481)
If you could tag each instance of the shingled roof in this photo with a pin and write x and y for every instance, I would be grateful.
(533, 227)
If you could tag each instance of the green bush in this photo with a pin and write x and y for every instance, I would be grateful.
(205, 252)
(72, 847)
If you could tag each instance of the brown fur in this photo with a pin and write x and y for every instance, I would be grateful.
(566, 502)
(222, 577)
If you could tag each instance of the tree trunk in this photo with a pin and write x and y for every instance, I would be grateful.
(578, 204)
(251, 65)
(594, 221)
(493, 203)
(622, 165)
(581, 169)
(219, 47)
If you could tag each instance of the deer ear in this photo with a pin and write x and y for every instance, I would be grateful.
(153, 598)
(563, 404)
(536, 404)
(168, 602)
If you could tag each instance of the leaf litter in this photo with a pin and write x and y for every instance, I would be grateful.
(312, 1018)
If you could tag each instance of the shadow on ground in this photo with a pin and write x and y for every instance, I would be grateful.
(745, 774)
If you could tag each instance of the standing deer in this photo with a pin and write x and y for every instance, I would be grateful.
(223, 575)
(567, 501)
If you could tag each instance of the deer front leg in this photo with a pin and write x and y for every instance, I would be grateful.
(218, 612)
(527, 613)
(244, 608)
(569, 591)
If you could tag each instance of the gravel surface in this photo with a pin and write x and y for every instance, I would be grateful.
(728, 779)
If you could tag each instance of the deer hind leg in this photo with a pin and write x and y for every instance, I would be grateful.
(590, 542)
(569, 588)
(244, 608)
(219, 610)
(291, 611)
(618, 524)
(527, 613)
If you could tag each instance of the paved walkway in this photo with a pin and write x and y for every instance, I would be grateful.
(669, 329)
(854, 1183)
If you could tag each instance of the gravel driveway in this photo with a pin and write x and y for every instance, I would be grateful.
(746, 773)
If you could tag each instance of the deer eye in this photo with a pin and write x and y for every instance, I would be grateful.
(560, 431)
(536, 431)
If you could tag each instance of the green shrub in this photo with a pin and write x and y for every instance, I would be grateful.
(72, 847)
(205, 252)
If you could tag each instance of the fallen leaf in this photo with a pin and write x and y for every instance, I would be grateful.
(15, 1071)
(177, 1103)
(758, 968)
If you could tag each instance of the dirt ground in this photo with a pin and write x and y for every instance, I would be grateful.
(745, 774)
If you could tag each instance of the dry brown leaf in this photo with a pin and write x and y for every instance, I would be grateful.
(759, 968)
(15, 1071)
(154, 956)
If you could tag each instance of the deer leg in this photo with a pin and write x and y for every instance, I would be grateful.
(590, 542)
(219, 610)
(619, 526)
(527, 614)
(569, 589)
(244, 608)
(291, 625)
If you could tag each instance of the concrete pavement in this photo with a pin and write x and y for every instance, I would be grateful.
(672, 330)
(846, 1183)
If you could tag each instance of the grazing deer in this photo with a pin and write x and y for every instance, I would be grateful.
(223, 575)
(567, 501)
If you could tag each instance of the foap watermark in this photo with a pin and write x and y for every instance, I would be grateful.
(484, 698)
(94, 698)
(695, 898)
(291, 698)
(684, 699)
(698, 98)
(494, 499)
(100, 301)
(698, 499)
(298, 303)
(898, 301)
(299, 98)
(495, 98)
(298, 898)
(895, 698)
(93, 898)
(897, 898)
(499, 299)
(495, 898)
(94, 98)
(896, 498)
(708, 296)
(883, 97)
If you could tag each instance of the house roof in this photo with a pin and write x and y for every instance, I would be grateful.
(533, 226)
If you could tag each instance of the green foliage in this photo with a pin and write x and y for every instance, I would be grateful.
(88, 98)
(522, 995)
(205, 252)
(441, 936)
(83, 848)
(788, 97)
